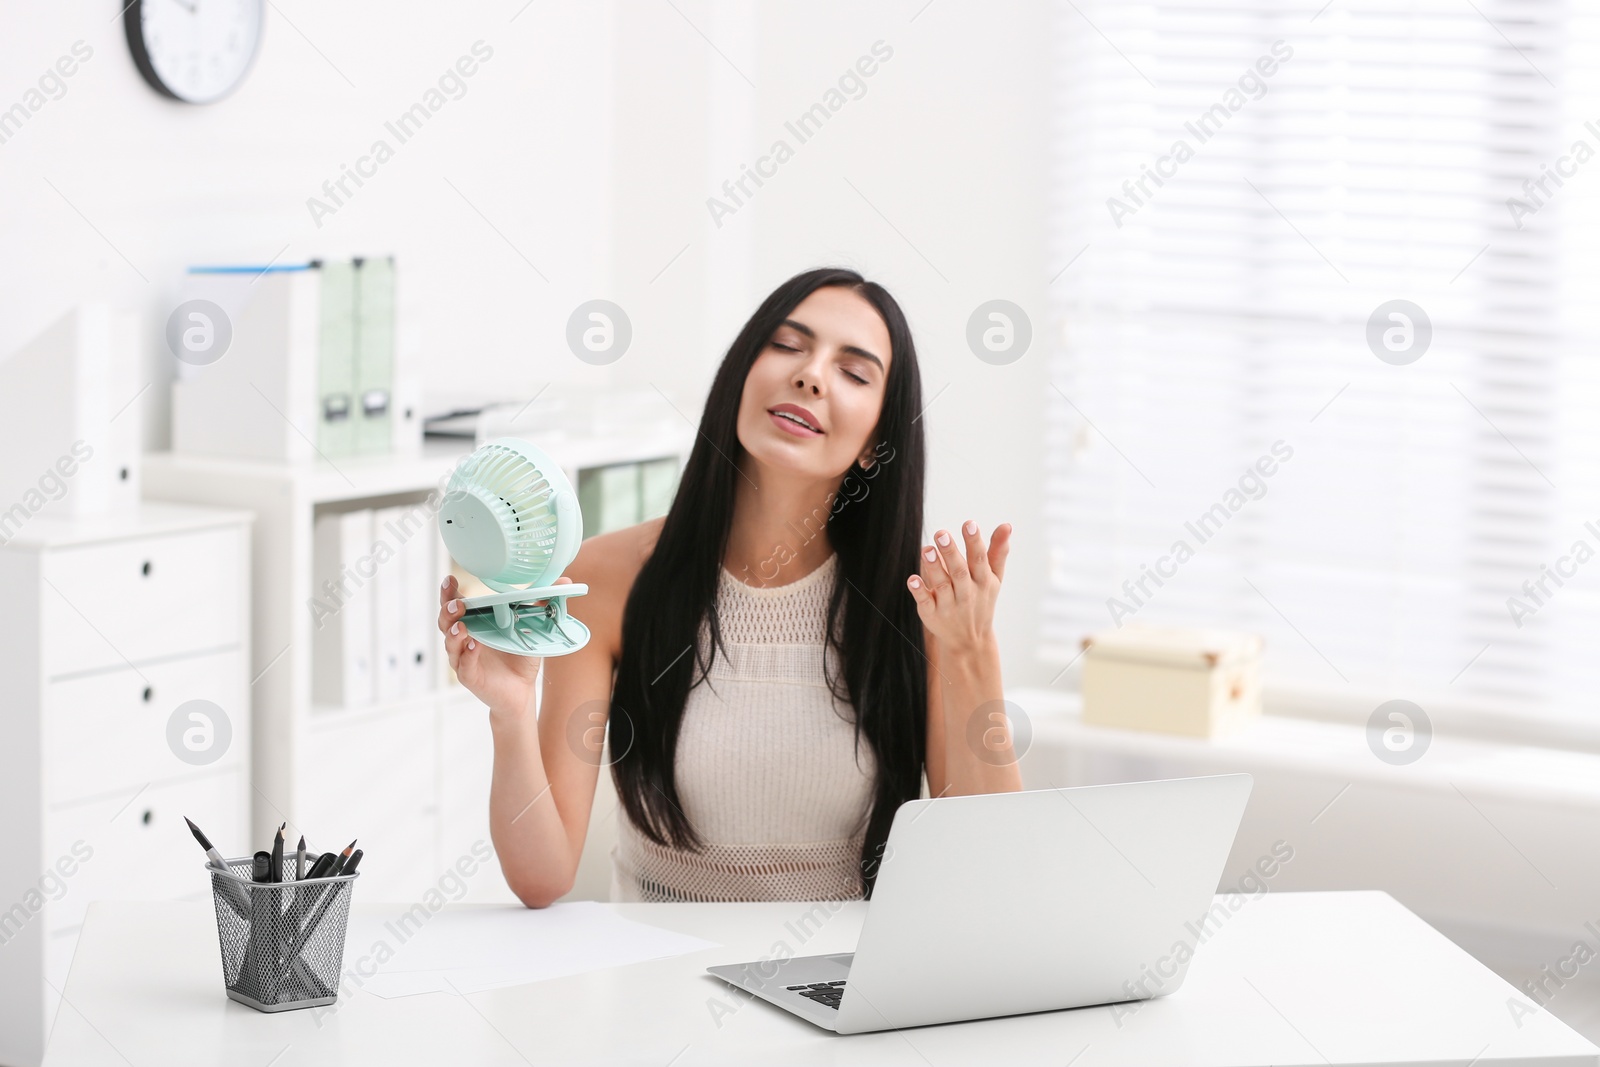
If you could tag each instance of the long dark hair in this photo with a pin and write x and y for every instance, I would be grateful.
(876, 534)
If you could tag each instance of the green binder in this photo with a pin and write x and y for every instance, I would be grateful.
(336, 368)
(374, 354)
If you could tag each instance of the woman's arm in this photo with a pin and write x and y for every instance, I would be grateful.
(545, 773)
(969, 738)
(546, 763)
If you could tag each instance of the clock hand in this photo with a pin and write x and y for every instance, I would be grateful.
(189, 7)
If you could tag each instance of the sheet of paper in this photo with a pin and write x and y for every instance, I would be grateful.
(468, 950)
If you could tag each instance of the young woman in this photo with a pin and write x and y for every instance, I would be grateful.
(780, 660)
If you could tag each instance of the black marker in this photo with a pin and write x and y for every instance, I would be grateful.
(261, 870)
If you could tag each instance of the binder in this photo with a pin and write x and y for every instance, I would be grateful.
(389, 606)
(71, 419)
(342, 609)
(374, 354)
(259, 399)
(312, 344)
(336, 362)
(421, 589)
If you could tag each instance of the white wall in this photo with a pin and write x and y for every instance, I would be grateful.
(590, 141)
(167, 185)
(945, 146)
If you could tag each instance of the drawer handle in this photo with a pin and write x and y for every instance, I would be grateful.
(147, 816)
(145, 570)
(148, 693)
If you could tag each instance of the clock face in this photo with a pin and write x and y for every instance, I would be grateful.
(196, 51)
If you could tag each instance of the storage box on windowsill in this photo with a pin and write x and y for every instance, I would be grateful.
(1197, 683)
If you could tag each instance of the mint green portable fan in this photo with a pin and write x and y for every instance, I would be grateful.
(510, 517)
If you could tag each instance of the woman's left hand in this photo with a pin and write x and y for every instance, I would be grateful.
(956, 592)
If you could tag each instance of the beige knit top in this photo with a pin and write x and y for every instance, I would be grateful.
(767, 767)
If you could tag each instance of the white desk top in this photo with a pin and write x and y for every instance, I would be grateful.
(1289, 978)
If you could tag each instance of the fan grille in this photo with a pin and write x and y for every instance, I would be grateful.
(522, 499)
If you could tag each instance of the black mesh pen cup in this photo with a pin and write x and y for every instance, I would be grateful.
(282, 942)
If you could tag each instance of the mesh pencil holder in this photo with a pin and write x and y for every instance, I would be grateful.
(282, 942)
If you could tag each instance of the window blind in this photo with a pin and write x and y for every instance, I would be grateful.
(1239, 435)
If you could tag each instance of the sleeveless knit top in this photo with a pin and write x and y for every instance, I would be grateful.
(767, 767)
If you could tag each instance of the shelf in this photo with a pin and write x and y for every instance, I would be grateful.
(360, 477)
(348, 478)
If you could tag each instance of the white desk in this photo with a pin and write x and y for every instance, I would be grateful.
(1308, 978)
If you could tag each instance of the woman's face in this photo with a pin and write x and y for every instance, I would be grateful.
(826, 364)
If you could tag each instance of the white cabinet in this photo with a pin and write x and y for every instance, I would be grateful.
(116, 622)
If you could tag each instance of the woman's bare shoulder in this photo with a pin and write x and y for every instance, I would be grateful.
(608, 563)
(614, 559)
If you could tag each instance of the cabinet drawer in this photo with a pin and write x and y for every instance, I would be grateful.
(108, 732)
(106, 604)
(142, 850)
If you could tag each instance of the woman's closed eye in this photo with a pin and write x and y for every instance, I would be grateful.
(852, 375)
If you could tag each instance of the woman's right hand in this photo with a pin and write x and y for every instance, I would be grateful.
(501, 680)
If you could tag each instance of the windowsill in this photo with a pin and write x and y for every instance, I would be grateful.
(1479, 766)
(1457, 719)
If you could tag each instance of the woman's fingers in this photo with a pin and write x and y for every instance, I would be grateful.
(449, 603)
(919, 591)
(977, 557)
(954, 562)
(455, 639)
(1000, 549)
(934, 576)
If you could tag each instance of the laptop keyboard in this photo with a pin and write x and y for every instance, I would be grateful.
(822, 992)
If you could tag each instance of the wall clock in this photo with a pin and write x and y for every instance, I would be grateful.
(195, 51)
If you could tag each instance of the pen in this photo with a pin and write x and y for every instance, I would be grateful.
(277, 856)
(300, 859)
(261, 950)
(355, 861)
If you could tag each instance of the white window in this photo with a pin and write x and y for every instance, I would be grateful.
(1243, 192)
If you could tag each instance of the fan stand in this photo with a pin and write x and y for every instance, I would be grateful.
(511, 621)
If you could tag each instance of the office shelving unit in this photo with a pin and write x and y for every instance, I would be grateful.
(409, 776)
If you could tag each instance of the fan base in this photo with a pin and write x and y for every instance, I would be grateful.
(513, 623)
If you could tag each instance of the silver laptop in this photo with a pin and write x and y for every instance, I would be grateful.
(1007, 903)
